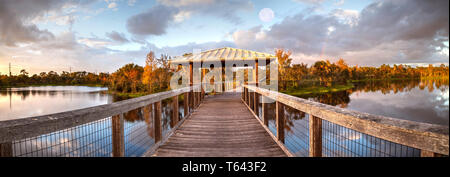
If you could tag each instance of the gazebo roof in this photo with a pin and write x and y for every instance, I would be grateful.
(222, 54)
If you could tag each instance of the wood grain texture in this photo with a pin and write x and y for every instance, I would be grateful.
(315, 136)
(221, 127)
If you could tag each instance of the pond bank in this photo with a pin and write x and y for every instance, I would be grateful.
(317, 89)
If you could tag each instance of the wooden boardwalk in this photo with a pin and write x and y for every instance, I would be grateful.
(222, 126)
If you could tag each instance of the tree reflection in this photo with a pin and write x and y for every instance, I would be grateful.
(342, 98)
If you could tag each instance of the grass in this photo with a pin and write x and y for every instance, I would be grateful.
(41, 85)
(128, 95)
(317, 89)
(401, 79)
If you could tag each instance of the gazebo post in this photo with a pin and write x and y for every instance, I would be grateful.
(255, 73)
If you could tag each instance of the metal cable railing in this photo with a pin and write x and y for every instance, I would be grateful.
(307, 128)
(126, 128)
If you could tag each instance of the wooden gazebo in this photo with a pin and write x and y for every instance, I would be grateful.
(226, 55)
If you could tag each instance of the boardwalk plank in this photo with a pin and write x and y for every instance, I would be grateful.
(221, 127)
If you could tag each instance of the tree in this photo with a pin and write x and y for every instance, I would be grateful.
(284, 62)
(127, 79)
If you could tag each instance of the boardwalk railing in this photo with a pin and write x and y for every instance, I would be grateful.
(307, 128)
(125, 128)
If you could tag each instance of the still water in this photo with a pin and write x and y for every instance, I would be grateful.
(34, 101)
(421, 101)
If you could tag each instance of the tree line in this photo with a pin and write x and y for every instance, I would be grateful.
(155, 75)
(328, 73)
(53, 78)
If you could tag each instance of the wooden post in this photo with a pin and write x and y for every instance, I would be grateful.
(148, 116)
(191, 83)
(203, 90)
(256, 103)
(197, 98)
(223, 76)
(194, 99)
(250, 100)
(264, 111)
(186, 104)
(175, 114)
(245, 95)
(315, 136)
(242, 93)
(158, 129)
(255, 74)
(425, 153)
(280, 121)
(118, 138)
(6, 149)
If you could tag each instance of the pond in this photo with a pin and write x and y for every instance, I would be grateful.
(415, 100)
(421, 101)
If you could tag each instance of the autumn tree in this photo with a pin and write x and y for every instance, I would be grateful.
(284, 62)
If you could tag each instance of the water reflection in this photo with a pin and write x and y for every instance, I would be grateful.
(417, 100)
(34, 101)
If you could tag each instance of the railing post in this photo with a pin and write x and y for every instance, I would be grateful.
(256, 103)
(264, 117)
(118, 138)
(280, 121)
(242, 93)
(186, 104)
(246, 95)
(191, 101)
(194, 99)
(250, 100)
(198, 98)
(175, 116)
(158, 129)
(315, 136)
(6, 149)
(202, 96)
(148, 116)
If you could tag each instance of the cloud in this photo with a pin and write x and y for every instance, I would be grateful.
(118, 37)
(225, 9)
(131, 2)
(18, 18)
(157, 19)
(314, 2)
(384, 32)
(112, 5)
(152, 22)
(13, 14)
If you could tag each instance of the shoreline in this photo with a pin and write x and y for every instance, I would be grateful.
(317, 89)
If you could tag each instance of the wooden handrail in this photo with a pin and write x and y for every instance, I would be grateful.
(426, 137)
(17, 129)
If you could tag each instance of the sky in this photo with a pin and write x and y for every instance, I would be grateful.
(103, 35)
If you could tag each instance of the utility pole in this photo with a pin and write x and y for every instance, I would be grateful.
(70, 70)
(9, 69)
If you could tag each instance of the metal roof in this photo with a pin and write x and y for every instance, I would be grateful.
(221, 54)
